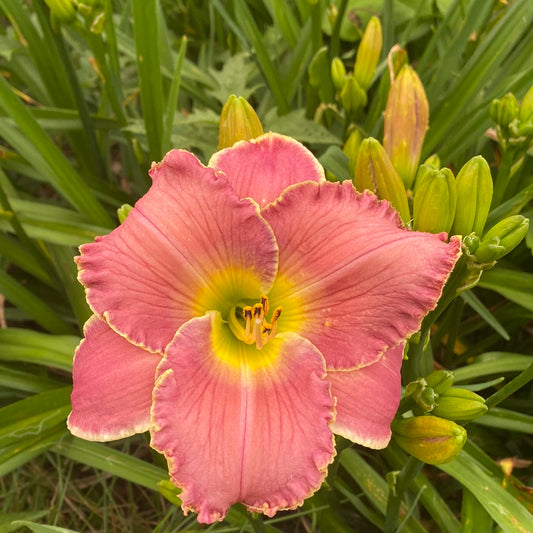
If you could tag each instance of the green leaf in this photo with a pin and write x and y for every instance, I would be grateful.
(506, 419)
(507, 512)
(477, 305)
(491, 363)
(40, 528)
(515, 285)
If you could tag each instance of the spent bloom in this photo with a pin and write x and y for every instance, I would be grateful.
(244, 313)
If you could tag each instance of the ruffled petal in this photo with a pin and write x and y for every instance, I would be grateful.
(351, 279)
(264, 167)
(113, 382)
(241, 425)
(367, 399)
(188, 246)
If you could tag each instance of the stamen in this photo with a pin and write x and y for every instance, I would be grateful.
(256, 328)
(247, 314)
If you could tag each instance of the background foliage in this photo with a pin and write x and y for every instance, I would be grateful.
(87, 102)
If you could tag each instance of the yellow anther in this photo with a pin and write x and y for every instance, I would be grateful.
(256, 328)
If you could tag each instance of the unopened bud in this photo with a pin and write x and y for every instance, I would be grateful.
(338, 73)
(63, 11)
(440, 380)
(433, 161)
(353, 98)
(238, 122)
(505, 110)
(525, 114)
(406, 123)
(123, 211)
(434, 202)
(374, 171)
(430, 439)
(368, 53)
(502, 238)
(474, 194)
(460, 404)
(351, 149)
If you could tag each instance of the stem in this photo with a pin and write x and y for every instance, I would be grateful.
(502, 179)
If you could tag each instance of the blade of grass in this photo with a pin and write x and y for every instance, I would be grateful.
(477, 305)
(506, 419)
(493, 363)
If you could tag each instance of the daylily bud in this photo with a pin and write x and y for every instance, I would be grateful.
(353, 98)
(525, 113)
(63, 11)
(374, 171)
(435, 200)
(406, 123)
(502, 238)
(440, 380)
(123, 211)
(505, 110)
(419, 392)
(460, 404)
(238, 122)
(338, 73)
(368, 53)
(429, 438)
(433, 161)
(471, 242)
(474, 194)
(351, 149)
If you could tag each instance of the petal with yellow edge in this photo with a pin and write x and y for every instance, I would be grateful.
(367, 399)
(264, 167)
(164, 263)
(238, 424)
(351, 279)
(113, 382)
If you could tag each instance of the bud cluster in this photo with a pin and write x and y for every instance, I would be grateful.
(65, 12)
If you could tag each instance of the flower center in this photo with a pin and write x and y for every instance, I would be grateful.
(249, 322)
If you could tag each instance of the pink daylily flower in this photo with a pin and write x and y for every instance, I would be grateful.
(246, 312)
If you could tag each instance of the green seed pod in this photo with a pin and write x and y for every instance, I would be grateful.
(429, 438)
(502, 238)
(338, 73)
(238, 122)
(353, 98)
(435, 201)
(460, 404)
(374, 172)
(474, 194)
(368, 53)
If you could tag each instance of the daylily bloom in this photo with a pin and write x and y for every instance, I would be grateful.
(244, 313)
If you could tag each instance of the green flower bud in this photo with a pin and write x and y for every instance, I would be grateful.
(123, 211)
(353, 98)
(374, 171)
(63, 11)
(238, 122)
(433, 161)
(474, 194)
(471, 242)
(429, 438)
(502, 238)
(505, 110)
(406, 122)
(435, 200)
(460, 404)
(525, 114)
(419, 393)
(319, 75)
(351, 149)
(338, 73)
(368, 53)
(440, 380)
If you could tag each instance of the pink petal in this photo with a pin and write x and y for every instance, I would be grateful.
(113, 382)
(242, 425)
(187, 241)
(351, 279)
(264, 167)
(367, 399)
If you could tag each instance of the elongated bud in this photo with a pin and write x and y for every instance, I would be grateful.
(406, 123)
(433, 161)
(504, 110)
(351, 149)
(338, 73)
(435, 200)
(374, 171)
(123, 211)
(368, 53)
(525, 114)
(460, 404)
(63, 11)
(320, 75)
(238, 122)
(474, 194)
(430, 439)
(353, 98)
(440, 380)
(502, 238)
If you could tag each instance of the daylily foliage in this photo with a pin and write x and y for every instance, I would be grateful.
(245, 312)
